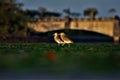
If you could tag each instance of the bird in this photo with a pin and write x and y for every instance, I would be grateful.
(65, 38)
(57, 39)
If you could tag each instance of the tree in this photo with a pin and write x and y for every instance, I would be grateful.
(45, 13)
(31, 14)
(112, 11)
(67, 11)
(52, 14)
(75, 14)
(12, 19)
(91, 12)
(42, 11)
(67, 18)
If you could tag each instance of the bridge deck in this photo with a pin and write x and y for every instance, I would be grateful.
(107, 27)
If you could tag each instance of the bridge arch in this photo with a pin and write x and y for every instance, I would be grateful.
(107, 27)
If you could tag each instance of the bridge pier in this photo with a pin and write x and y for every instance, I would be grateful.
(116, 39)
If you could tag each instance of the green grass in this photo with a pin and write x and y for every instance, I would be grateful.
(78, 57)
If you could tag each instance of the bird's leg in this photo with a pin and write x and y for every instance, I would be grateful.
(63, 44)
(68, 45)
(60, 44)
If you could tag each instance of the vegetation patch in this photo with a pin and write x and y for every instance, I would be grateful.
(53, 58)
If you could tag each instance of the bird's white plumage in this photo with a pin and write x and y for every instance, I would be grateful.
(64, 37)
(57, 39)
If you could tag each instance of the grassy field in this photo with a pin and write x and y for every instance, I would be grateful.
(50, 57)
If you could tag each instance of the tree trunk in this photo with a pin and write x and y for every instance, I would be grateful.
(91, 16)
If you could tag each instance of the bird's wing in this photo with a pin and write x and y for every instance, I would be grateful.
(57, 39)
(66, 39)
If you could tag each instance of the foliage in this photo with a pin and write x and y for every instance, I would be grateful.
(12, 19)
(46, 13)
(112, 11)
(67, 11)
(54, 58)
(92, 12)
(75, 14)
(42, 10)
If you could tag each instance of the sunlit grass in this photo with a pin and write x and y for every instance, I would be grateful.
(77, 57)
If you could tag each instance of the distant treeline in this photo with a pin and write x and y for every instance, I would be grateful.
(13, 19)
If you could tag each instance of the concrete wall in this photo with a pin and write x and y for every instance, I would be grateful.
(104, 27)
(47, 26)
(107, 27)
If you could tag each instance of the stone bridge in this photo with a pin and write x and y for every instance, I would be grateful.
(109, 27)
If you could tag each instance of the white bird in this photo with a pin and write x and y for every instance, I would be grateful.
(66, 40)
(58, 40)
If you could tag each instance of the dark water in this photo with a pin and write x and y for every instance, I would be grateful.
(93, 39)
(69, 76)
(89, 39)
(83, 36)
